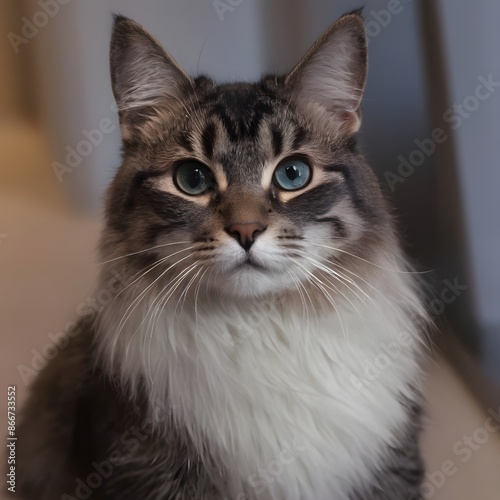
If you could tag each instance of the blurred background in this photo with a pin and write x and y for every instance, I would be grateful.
(431, 130)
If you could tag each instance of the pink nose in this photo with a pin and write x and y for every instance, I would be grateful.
(246, 232)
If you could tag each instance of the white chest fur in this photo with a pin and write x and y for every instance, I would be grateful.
(295, 406)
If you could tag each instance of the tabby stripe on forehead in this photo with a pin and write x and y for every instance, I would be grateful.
(299, 137)
(208, 138)
(277, 140)
(241, 117)
(228, 124)
(185, 142)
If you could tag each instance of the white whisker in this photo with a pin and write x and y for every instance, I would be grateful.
(140, 251)
(367, 261)
(319, 285)
(137, 300)
(153, 266)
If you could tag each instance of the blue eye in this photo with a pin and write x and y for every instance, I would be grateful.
(193, 178)
(292, 174)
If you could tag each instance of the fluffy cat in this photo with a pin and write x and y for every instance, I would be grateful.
(261, 277)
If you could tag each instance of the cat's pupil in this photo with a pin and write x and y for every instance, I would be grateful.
(292, 172)
(193, 178)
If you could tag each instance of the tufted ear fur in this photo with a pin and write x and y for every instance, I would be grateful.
(330, 78)
(147, 82)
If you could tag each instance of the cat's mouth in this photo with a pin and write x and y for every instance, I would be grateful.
(251, 262)
(251, 275)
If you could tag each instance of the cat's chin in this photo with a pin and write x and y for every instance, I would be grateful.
(250, 280)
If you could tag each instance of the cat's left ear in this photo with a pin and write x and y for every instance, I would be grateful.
(330, 78)
(148, 84)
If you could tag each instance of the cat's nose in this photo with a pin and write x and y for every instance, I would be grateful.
(246, 232)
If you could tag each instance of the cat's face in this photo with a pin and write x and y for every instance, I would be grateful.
(252, 188)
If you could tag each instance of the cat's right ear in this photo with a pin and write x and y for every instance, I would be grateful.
(330, 79)
(148, 84)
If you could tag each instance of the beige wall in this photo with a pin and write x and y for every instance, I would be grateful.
(13, 101)
(25, 156)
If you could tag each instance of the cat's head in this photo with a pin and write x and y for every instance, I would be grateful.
(252, 187)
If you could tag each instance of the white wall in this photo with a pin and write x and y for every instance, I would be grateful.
(471, 38)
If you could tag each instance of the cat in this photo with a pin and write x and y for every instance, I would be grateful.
(262, 277)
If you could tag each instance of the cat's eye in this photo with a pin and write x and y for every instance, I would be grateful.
(193, 178)
(292, 174)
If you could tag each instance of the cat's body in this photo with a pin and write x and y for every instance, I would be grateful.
(237, 351)
(90, 427)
